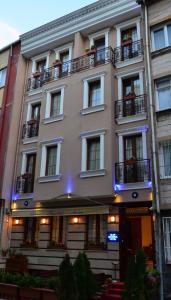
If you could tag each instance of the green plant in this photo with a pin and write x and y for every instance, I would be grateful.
(135, 283)
(67, 280)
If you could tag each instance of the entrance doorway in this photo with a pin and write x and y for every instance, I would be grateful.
(136, 232)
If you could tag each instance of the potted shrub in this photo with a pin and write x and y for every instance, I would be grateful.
(91, 51)
(127, 39)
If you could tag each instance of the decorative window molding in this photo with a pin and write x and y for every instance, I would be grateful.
(164, 38)
(37, 58)
(85, 137)
(127, 25)
(29, 108)
(167, 238)
(60, 116)
(86, 82)
(128, 75)
(24, 159)
(132, 131)
(45, 144)
(103, 33)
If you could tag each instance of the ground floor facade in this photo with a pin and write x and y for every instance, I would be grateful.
(108, 232)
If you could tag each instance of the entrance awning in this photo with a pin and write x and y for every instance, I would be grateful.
(72, 211)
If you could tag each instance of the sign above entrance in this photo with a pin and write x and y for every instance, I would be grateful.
(112, 236)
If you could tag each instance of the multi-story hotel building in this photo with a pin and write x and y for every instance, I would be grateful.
(83, 167)
(157, 21)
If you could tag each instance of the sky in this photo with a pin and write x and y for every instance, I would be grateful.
(18, 16)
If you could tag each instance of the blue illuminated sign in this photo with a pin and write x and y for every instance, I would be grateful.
(113, 236)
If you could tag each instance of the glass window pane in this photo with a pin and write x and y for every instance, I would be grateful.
(3, 77)
(169, 33)
(159, 40)
(51, 161)
(164, 98)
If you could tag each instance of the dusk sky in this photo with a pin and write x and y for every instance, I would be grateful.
(20, 17)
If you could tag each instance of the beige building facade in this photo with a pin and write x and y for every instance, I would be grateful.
(83, 179)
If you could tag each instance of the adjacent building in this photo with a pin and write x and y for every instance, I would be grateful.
(83, 177)
(12, 73)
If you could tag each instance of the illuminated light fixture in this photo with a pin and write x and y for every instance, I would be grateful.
(114, 219)
(44, 221)
(16, 221)
(14, 205)
(75, 220)
(117, 188)
(69, 195)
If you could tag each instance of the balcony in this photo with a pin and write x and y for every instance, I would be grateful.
(131, 105)
(92, 59)
(128, 50)
(30, 129)
(132, 171)
(25, 183)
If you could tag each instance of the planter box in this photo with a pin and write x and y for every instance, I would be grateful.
(9, 291)
(29, 293)
(17, 264)
(48, 295)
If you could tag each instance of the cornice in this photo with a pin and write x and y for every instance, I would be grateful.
(68, 18)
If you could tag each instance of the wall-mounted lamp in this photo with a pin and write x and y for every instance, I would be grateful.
(113, 219)
(75, 220)
(17, 221)
(69, 195)
(44, 221)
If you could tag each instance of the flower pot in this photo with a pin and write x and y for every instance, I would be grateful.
(36, 74)
(29, 293)
(57, 63)
(127, 42)
(91, 52)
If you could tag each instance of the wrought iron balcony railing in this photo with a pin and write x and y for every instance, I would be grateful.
(30, 129)
(132, 171)
(25, 183)
(131, 105)
(128, 50)
(93, 58)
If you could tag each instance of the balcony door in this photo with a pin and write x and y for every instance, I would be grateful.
(100, 47)
(129, 38)
(131, 89)
(35, 112)
(30, 173)
(133, 154)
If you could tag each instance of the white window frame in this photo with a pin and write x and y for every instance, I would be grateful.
(86, 109)
(24, 159)
(84, 137)
(167, 239)
(37, 58)
(29, 108)
(127, 25)
(67, 47)
(2, 83)
(56, 142)
(100, 34)
(128, 132)
(128, 75)
(161, 160)
(156, 92)
(48, 118)
(166, 39)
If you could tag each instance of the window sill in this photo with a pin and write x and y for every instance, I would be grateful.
(49, 178)
(93, 173)
(161, 51)
(134, 185)
(35, 91)
(163, 111)
(53, 119)
(93, 109)
(30, 140)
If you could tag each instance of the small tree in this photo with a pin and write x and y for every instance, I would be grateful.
(67, 280)
(85, 279)
(135, 283)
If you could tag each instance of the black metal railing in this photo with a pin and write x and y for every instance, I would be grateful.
(30, 129)
(25, 183)
(61, 70)
(128, 50)
(130, 105)
(132, 171)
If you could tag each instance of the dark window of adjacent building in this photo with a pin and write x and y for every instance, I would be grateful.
(55, 104)
(94, 93)
(93, 153)
(3, 73)
(51, 161)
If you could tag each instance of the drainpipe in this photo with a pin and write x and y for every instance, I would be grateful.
(154, 154)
